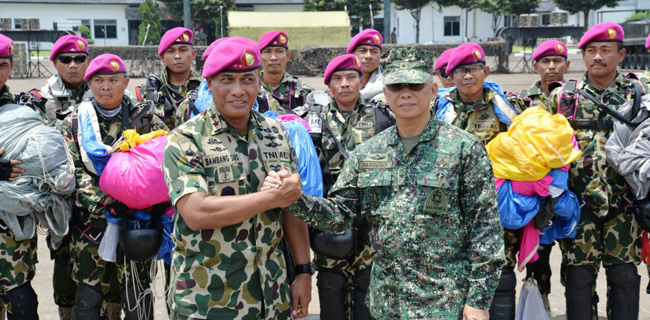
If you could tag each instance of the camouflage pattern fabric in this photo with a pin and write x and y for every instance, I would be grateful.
(61, 98)
(602, 189)
(538, 97)
(290, 92)
(17, 258)
(183, 112)
(88, 222)
(407, 65)
(433, 217)
(235, 272)
(177, 95)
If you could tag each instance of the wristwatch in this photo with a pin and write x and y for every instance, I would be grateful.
(305, 268)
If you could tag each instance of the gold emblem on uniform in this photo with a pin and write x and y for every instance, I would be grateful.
(377, 39)
(186, 37)
(81, 45)
(249, 59)
(282, 39)
(611, 33)
(11, 49)
(559, 48)
(357, 63)
(115, 65)
(477, 54)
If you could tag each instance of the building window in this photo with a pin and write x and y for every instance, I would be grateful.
(546, 19)
(17, 23)
(105, 29)
(452, 26)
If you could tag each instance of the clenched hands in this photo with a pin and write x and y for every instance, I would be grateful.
(285, 185)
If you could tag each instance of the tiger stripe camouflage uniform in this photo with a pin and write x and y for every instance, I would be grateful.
(425, 209)
(290, 93)
(603, 191)
(88, 222)
(238, 271)
(168, 97)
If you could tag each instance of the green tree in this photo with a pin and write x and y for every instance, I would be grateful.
(150, 16)
(201, 10)
(85, 33)
(499, 8)
(415, 7)
(358, 10)
(638, 16)
(584, 6)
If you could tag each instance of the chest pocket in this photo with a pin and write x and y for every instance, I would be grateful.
(438, 194)
(227, 176)
(376, 190)
(364, 129)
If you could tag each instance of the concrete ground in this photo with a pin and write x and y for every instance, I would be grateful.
(511, 82)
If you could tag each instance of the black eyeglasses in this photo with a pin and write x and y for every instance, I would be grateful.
(77, 59)
(443, 73)
(411, 86)
(474, 70)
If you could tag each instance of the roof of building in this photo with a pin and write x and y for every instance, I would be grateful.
(125, 2)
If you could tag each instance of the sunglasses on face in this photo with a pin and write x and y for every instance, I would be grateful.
(399, 86)
(68, 59)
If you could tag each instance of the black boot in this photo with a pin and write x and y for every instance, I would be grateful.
(503, 303)
(88, 302)
(580, 303)
(331, 294)
(624, 286)
(361, 284)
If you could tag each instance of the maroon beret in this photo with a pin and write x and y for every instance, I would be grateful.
(342, 62)
(550, 48)
(69, 44)
(178, 35)
(235, 54)
(273, 39)
(105, 64)
(602, 32)
(368, 37)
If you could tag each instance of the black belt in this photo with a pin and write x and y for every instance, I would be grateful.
(601, 125)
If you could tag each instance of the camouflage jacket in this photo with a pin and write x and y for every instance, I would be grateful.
(290, 93)
(590, 177)
(166, 96)
(61, 98)
(538, 97)
(238, 271)
(433, 218)
(479, 118)
(349, 129)
(89, 196)
(6, 97)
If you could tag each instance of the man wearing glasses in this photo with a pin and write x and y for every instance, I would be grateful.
(482, 110)
(440, 67)
(427, 190)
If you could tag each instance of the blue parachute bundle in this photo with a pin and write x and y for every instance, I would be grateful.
(444, 104)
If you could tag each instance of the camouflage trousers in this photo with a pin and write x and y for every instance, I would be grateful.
(361, 260)
(64, 287)
(542, 274)
(17, 259)
(175, 316)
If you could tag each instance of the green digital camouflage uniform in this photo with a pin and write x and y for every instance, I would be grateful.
(538, 97)
(290, 93)
(88, 222)
(169, 94)
(592, 179)
(433, 219)
(238, 271)
(17, 259)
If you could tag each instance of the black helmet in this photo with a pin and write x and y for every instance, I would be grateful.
(141, 244)
(642, 213)
(336, 245)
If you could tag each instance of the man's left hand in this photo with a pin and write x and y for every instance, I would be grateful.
(301, 295)
(471, 313)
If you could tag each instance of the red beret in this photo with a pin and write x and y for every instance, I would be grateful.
(466, 53)
(647, 42)
(235, 54)
(443, 59)
(178, 35)
(214, 43)
(342, 62)
(105, 64)
(368, 37)
(273, 39)
(6, 47)
(550, 48)
(602, 32)
(69, 44)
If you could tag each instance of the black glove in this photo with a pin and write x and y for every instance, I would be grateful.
(119, 209)
(5, 169)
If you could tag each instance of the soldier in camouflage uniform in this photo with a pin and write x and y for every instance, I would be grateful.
(227, 262)
(17, 259)
(288, 90)
(168, 90)
(428, 192)
(483, 112)
(367, 45)
(440, 67)
(550, 61)
(107, 79)
(607, 233)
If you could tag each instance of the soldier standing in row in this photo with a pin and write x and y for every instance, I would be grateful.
(550, 61)
(109, 113)
(427, 190)
(367, 47)
(287, 90)
(607, 233)
(440, 67)
(169, 89)
(227, 262)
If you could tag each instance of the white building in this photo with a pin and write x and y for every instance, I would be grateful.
(106, 19)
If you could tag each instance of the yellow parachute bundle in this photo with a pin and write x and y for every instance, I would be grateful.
(133, 138)
(535, 143)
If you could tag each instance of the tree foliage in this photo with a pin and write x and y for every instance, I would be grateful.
(584, 6)
(358, 10)
(202, 10)
(415, 7)
(85, 33)
(638, 16)
(149, 16)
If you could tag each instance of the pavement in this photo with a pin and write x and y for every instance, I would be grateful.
(514, 82)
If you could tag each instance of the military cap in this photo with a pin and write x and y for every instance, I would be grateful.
(550, 48)
(340, 63)
(442, 60)
(178, 35)
(602, 32)
(408, 65)
(214, 43)
(273, 39)
(465, 54)
(368, 37)
(69, 44)
(235, 54)
(105, 64)
(6, 47)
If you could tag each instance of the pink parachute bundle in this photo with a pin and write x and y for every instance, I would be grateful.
(135, 177)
